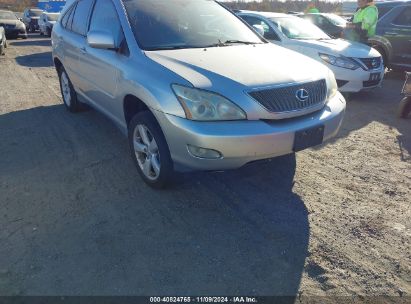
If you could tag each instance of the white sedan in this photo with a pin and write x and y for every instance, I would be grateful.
(46, 23)
(356, 66)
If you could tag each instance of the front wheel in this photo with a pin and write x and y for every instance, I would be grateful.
(149, 150)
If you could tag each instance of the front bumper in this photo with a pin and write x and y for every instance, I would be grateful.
(241, 142)
(352, 81)
(16, 32)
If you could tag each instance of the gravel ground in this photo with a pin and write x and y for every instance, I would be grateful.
(76, 219)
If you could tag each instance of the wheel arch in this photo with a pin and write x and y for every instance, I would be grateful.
(382, 44)
(133, 105)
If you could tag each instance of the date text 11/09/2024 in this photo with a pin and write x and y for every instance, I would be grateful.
(203, 300)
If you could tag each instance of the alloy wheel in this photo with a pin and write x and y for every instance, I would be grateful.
(65, 89)
(146, 152)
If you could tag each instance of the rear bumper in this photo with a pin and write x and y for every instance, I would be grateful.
(242, 142)
(14, 33)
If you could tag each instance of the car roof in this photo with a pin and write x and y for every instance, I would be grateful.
(266, 14)
(392, 3)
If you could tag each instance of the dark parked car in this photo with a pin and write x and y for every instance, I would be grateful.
(332, 24)
(393, 37)
(385, 6)
(3, 41)
(13, 27)
(31, 18)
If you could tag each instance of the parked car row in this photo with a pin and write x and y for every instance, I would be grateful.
(356, 66)
(13, 27)
(31, 20)
(393, 33)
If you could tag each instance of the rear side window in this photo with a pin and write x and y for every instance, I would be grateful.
(268, 31)
(404, 18)
(81, 15)
(66, 17)
(105, 18)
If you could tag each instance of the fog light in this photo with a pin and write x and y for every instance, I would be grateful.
(203, 152)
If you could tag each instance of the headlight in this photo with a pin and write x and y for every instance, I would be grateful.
(341, 61)
(206, 106)
(331, 85)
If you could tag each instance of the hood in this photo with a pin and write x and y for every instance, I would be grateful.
(340, 47)
(247, 65)
(9, 22)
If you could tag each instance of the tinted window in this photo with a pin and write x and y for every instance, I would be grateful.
(297, 28)
(171, 24)
(81, 15)
(404, 18)
(105, 18)
(268, 31)
(66, 17)
(382, 10)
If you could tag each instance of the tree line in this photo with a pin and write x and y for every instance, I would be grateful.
(284, 6)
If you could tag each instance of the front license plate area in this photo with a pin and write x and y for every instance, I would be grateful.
(375, 76)
(308, 138)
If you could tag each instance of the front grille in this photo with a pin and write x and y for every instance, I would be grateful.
(371, 63)
(284, 99)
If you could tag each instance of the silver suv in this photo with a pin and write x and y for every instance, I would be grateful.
(192, 85)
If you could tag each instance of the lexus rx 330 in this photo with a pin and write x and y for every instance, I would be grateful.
(191, 85)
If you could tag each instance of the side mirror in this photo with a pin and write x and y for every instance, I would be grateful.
(101, 40)
(259, 28)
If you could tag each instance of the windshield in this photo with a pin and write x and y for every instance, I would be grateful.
(7, 16)
(52, 17)
(336, 20)
(172, 24)
(35, 13)
(297, 28)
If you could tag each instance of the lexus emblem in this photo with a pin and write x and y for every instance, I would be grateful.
(374, 63)
(302, 95)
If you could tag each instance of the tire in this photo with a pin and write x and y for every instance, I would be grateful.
(347, 96)
(3, 46)
(405, 107)
(48, 32)
(41, 33)
(68, 93)
(150, 151)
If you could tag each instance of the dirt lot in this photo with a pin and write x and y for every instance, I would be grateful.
(76, 219)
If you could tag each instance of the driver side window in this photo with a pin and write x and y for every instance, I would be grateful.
(105, 18)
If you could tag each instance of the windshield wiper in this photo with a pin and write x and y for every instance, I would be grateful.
(240, 42)
(174, 47)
